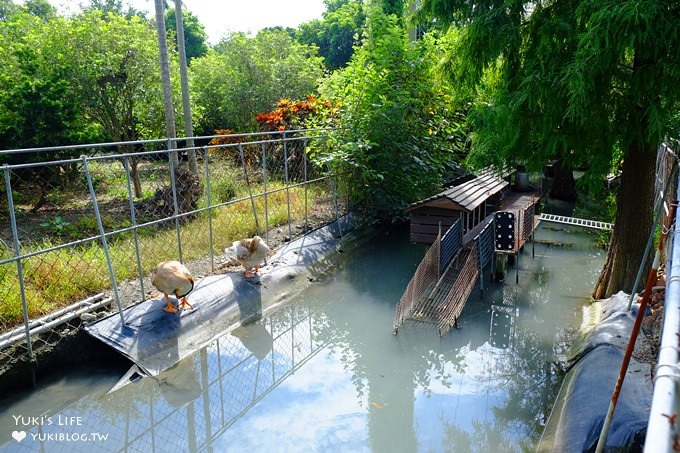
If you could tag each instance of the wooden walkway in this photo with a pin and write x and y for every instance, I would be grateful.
(576, 222)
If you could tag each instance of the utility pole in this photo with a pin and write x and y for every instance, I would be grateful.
(186, 102)
(165, 77)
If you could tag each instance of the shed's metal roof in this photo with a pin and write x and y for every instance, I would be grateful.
(466, 196)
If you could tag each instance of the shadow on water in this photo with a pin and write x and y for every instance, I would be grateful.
(326, 373)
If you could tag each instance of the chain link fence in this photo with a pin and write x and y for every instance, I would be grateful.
(83, 226)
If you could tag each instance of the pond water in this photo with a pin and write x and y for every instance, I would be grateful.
(326, 373)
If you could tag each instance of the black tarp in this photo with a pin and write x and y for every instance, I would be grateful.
(582, 404)
(155, 340)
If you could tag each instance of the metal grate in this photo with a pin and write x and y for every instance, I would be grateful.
(484, 241)
(439, 298)
(420, 285)
(450, 308)
(576, 221)
(527, 222)
(451, 242)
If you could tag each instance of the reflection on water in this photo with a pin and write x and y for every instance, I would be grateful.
(326, 373)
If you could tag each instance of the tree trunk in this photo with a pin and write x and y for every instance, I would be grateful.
(170, 130)
(563, 186)
(633, 222)
(634, 199)
(134, 175)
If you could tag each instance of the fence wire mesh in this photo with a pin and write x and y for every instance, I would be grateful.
(662, 325)
(79, 226)
(423, 281)
(188, 407)
(448, 311)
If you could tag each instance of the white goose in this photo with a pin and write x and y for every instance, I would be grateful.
(250, 253)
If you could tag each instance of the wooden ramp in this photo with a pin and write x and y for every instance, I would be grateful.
(594, 224)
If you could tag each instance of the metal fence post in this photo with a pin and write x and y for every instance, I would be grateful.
(205, 386)
(285, 169)
(250, 189)
(209, 201)
(334, 188)
(191, 426)
(17, 255)
(133, 218)
(648, 248)
(102, 235)
(481, 267)
(661, 434)
(304, 160)
(173, 185)
(264, 178)
(439, 250)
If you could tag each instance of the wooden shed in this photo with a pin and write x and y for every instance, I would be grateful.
(471, 200)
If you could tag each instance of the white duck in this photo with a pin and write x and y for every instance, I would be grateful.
(172, 277)
(250, 253)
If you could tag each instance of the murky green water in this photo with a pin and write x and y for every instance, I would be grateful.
(327, 374)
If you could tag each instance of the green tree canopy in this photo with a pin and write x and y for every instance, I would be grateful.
(244, 76)
(594, 82)
(41, 9)
(37, 106)
(7, 8)
(113, 6)
(117, 82)
(92, 68)
(194, 33)
(89, 78)
(337, 33)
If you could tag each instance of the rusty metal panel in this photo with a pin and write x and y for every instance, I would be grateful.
(449, 309)
(422, 282)
(485, 244)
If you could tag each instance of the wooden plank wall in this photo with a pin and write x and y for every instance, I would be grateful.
(425, 223)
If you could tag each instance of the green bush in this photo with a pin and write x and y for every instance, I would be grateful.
(397, 120)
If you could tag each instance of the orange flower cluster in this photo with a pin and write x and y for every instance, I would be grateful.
(291, 114)
(229, 151)
(224, 140)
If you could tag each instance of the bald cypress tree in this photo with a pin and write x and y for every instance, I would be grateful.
(593, 83)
